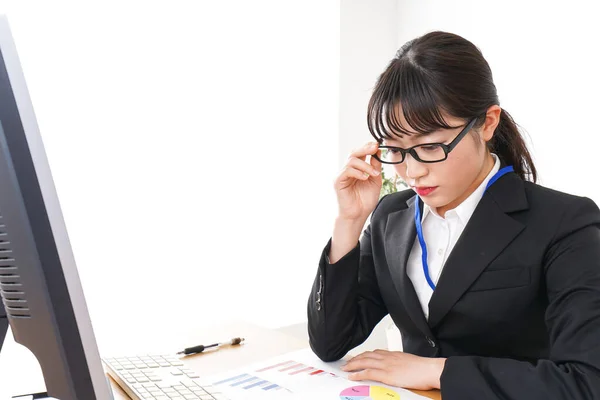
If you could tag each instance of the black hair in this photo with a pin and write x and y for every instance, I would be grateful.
(443, 72)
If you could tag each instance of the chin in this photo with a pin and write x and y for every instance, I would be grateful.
(436, 200)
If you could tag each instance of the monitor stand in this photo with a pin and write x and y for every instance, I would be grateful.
(3, 331)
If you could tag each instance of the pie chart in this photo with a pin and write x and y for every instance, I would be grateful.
(366, 392)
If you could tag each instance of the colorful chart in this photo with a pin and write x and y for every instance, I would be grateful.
(366, 392)
(291, 367)
(246, 382)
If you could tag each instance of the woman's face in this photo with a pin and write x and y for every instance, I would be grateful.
(446, 184)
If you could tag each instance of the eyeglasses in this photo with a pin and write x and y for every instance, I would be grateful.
(425, 153)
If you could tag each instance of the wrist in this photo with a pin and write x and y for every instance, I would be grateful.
(437, 367)
(346, 234)
(355, 224)
(348, 231)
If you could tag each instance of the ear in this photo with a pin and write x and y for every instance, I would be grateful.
(492, 119)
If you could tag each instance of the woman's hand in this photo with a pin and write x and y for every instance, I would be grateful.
(396, 368)
(359, 184)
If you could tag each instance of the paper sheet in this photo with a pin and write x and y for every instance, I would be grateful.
(302, 375)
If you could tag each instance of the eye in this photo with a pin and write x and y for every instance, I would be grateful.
(431, 147)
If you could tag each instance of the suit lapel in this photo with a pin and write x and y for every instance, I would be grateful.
(489, 231)
(400, 234)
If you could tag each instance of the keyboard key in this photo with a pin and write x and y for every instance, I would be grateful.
(164, 385)
(141, 375)
(187, 370)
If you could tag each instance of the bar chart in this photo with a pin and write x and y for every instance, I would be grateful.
(249, 382)
(292, 367)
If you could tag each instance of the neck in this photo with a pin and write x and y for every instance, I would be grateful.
(487, 167)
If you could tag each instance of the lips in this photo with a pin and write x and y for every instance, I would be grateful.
(424, 190)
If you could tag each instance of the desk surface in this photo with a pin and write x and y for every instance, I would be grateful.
(261, 343)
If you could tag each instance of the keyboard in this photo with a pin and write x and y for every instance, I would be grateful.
(159, 377)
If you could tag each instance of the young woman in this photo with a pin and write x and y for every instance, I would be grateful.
(492, 280)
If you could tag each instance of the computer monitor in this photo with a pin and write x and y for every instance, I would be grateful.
(40, 287)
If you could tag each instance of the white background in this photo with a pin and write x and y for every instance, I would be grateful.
(193, 147)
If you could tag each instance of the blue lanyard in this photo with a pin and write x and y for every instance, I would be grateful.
(498, 174)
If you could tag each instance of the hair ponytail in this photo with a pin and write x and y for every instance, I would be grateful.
(509, 145)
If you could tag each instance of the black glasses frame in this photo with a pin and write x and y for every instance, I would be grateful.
(447, 148)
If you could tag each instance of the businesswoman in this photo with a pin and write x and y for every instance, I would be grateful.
(492, 280)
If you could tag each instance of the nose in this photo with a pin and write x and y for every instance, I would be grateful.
(414, 168)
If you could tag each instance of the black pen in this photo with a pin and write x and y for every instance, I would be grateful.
(201, 348)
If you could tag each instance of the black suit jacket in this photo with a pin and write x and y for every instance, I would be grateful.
(516, 309)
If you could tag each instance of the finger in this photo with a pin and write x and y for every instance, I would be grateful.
(375, 163)
(368, 375)
(367, 354)
(382, 352)
(350, 174)
(364, 151)
(362, 166)
(363, 363)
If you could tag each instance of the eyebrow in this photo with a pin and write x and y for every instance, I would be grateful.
(413, 136)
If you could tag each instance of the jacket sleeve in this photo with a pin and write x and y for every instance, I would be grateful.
(572, 370)
(345, 303)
